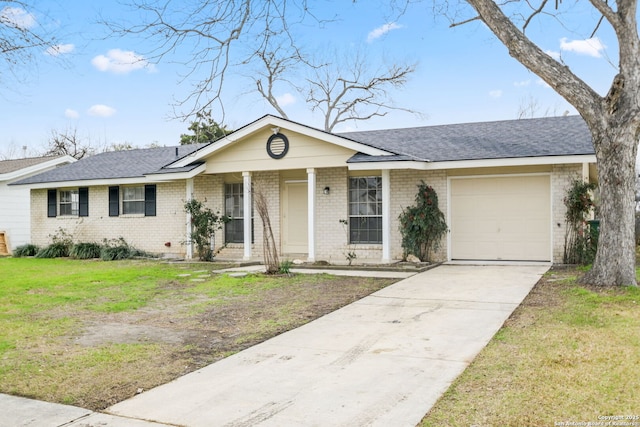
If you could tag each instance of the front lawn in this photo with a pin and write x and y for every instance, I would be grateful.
(93, 333)
(569, 355)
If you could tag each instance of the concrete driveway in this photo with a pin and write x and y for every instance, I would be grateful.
(382, 361)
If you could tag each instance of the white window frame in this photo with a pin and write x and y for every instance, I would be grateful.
(353, 216)
(70, 207)
(129, 203)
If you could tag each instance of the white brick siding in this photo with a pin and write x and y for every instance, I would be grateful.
(169, 224)
(146, 233)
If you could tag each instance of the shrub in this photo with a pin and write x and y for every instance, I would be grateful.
(85, 251)
(60, 246)
(54, 250)
(204, 224)
(26, 250)
(423, 225)
(285, 267)
(116, 249)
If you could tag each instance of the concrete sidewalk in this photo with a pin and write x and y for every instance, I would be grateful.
(382, 361)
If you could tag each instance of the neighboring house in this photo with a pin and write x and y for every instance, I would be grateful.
(15, 202)
(500, 184)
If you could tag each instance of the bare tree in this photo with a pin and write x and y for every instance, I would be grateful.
(343, 87)
(22, 38)
(68, 143)
(259, 36)
(350, 90)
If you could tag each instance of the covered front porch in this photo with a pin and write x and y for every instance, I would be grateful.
(316, 214)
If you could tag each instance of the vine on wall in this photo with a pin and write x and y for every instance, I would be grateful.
(580, 240)
(423, 225)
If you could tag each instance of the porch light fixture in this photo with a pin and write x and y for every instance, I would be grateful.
(326, 191)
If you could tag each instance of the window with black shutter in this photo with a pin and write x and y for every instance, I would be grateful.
(52, 203)
(114, 201)
(150, 200)
(83, 205)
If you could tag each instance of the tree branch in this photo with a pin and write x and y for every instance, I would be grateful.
(556, 75)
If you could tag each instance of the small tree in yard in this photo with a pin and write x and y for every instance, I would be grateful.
(269, 248)
(204, 224)
(423, 225)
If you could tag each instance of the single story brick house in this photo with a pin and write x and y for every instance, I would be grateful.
(500, 184)
(15, 201)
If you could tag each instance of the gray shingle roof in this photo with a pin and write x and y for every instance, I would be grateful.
(115, 164)
(8, 166)
(549, 136)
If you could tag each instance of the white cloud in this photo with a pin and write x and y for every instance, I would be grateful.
(592, 47)
(552, 53)
(60, 49)
(495, 93)
(522, 83)
(100, 110)
(71, 114)
(121, 62)
(382, 30)
(286, 99)
(18, 17)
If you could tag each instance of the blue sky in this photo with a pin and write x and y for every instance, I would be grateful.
(103, 88)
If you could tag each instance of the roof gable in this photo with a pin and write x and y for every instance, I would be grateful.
(275, 124)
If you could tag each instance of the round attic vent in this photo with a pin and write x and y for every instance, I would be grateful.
(277, 146)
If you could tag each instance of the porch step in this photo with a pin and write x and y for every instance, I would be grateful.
(4, 250)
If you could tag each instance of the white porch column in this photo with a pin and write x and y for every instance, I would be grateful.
(246, 198)
(386, 215)
(311, 227)
(189, 196)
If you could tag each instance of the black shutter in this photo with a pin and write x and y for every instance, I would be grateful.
(114, 201)
(149, 200)
(52, 203)
(83, 201)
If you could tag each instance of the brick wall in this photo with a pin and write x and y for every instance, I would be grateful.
(146, 233)
(331, 235)
(169, 225)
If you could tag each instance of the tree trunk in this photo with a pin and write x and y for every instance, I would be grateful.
(616, 148)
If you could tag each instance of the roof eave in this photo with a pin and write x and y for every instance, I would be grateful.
(37, 168)
(479, 163)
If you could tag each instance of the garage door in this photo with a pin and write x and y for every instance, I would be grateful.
(501, 218)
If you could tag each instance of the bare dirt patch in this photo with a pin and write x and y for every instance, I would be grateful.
(188, 332)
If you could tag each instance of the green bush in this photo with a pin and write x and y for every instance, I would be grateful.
(116, 249)
(423, 225)
(25, 250)
(85, 250)
(60, 246)
(285, 267)
(54, 250)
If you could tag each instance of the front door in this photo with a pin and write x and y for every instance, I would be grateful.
(295, 237)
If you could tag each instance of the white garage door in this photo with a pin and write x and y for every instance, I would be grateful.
(501, 218)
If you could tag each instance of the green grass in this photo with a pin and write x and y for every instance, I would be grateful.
(64, 322)
(40, 303)
(569, 353)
